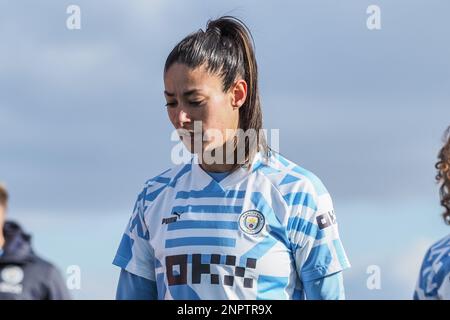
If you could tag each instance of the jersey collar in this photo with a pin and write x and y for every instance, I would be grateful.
(229, 181)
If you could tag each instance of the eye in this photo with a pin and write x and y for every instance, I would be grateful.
(196, 103)
(171, 104)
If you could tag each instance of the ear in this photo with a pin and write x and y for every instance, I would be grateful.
(238, 93)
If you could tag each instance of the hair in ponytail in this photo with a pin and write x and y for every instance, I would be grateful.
(226, 48)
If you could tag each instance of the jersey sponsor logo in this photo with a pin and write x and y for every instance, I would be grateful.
(10, 280)
(177, 269)
(171, 219)
(251, 222)
(325, 220)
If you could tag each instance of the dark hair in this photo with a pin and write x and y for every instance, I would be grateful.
(443, 175)
(226, 48)
(3, 196)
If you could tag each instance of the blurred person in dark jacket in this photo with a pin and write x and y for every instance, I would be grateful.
(24, 275)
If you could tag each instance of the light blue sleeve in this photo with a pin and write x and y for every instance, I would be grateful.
(135, 254)
(328, 288)
(133, 287)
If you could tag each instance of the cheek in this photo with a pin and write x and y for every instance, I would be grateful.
(216, 115)
(212, 119)
(222, 119)
(172, 116)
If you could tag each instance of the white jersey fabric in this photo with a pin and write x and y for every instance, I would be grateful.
(256, 234)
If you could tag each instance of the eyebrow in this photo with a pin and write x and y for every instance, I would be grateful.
(186, 93)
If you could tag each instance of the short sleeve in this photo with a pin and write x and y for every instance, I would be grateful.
(314, 236)
(135, 254)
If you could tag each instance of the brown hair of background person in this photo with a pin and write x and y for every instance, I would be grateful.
(443, 175)
(3, 196)
(3, 205)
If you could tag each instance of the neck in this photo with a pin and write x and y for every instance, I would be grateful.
(224, 165)
(217, 167)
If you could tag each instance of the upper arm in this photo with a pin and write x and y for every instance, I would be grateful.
(135, 254)
(327, 288)
(313, 233)
(133, 287)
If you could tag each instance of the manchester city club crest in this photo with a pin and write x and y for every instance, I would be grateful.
(251, 221)
(12, 275)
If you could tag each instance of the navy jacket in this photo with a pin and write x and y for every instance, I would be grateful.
(25, 276)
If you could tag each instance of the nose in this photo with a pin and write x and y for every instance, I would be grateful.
(182, 117)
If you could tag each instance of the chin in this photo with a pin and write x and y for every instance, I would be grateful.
(190, 147)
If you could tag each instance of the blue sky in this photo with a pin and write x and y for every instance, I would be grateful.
(83, 122)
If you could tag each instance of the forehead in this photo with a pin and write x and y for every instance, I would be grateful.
(179, 77)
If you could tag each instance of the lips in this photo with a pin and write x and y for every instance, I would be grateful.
(188, 135)
(185, 133)
(191, 137)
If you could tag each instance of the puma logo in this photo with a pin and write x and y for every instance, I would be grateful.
(171, 219)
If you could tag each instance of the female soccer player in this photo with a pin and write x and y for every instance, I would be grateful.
(434, 277)
(238, 221)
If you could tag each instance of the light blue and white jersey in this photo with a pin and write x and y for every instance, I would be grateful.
(256, 234)
(434, 278)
